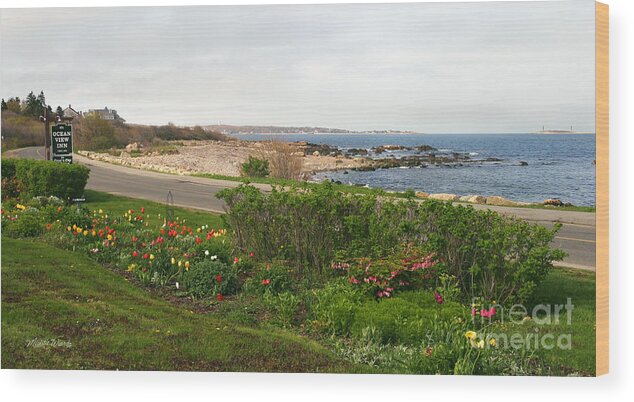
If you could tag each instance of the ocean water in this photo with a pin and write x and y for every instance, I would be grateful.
(559, 166)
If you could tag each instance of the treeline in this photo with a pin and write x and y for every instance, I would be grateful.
(21, 127)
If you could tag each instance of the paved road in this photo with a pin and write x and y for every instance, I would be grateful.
(577, 237)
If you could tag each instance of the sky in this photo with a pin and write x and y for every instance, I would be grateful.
(493, 67)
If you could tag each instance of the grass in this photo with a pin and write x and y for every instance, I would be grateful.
(118, 205)
(560, 284)
(51, 294)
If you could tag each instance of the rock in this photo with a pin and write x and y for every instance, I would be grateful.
(493, 160)
(422, 194)
(500, 201)
(477, 199)
(464, 198)
(316, 153)
(132, 147)
(555, 202)
(523, 163)
(424, 148)
(444, 197)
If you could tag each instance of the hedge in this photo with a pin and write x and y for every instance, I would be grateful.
(44, 178)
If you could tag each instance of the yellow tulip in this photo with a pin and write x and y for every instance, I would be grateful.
(69, 228)
(94, 233)
(151, 257)
(85, 233)
(180, 263)
(492, 342)
(101, 211)
(471, 335)
(173, 260)
(481, 344)
(109, 237)
(186, 265)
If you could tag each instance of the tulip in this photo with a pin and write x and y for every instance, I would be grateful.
(186, 265)
(220, 297)
(135, 254)
(173, 260)
(151, 257)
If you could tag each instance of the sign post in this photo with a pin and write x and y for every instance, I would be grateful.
(62, 142)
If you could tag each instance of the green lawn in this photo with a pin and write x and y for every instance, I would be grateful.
(51, 294)
(154, 211)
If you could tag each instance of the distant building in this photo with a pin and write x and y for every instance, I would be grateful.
(107, 114)
(71, 113)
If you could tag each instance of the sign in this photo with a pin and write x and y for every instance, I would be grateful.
(62, 143)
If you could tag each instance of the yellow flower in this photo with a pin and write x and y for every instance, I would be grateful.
(186, 265)
(198, 230)
(180, 263)
(94, 232)
(492, 342)
(131, 267)
(471, 335)
(79, 230)
(85, 233)
(74, 226)
(481, 344)
(101, 211)
(173, 260)
(151, 257)
(109, 237)
(69, 228)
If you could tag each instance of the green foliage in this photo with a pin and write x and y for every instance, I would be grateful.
(284, 305)
(255, 167)
(491, 256)
(45, 178)
(270, 279)
(210, 278)
(28, 224)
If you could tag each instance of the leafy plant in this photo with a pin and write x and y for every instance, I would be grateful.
(211, 278)
(255, 167)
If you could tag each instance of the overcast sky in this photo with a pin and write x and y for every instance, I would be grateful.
(428, 67)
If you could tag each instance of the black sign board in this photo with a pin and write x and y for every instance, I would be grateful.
(62, 143)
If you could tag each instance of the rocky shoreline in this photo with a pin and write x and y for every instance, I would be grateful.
(226, 157)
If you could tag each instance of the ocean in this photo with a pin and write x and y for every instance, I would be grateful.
(559, 166)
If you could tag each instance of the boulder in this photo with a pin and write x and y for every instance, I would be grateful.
(422, 194)
(523, 163)
(132, 147)
(500, 201)
(555, 202)
(477, 199)
(444, 197)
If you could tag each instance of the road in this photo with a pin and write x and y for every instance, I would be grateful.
(577, 236)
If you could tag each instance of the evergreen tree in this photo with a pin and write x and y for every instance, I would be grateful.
(59, 111)
(3, 105)
(32, 106)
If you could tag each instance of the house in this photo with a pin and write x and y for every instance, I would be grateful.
(107, 114)
(71, 113)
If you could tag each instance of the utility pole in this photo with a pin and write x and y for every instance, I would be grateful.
(46, 119)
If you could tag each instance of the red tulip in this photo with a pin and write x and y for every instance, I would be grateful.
(135, 254)
(266, 281)
(220, 297)
(218, 278)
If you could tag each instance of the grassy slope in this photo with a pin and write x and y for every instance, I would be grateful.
(580, 287)
(48, 293)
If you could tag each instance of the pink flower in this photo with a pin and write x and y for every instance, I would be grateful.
(266, 281)
(439, 298)
(135, 254)
(236, 260)
(251, 254)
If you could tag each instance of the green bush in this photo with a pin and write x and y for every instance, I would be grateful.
(270, 279)
(46, 178)
(491, 256)
(210, 278)
(255, 167)
(27, 224)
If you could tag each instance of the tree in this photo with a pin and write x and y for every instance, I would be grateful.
(95, 133)
(32, 106)
(3, 105)
(13, 105)
(59, 111)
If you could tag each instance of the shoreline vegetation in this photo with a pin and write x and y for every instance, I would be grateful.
(223, 160)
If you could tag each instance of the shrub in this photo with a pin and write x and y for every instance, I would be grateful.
(270, 279)
(27, 224)
(255, 167)
(284, 305)
(46, 178)
(210, 278)
(491, 256)
(283, 161)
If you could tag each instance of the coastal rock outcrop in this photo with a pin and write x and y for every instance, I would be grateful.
(444, 197)
(500, 201)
